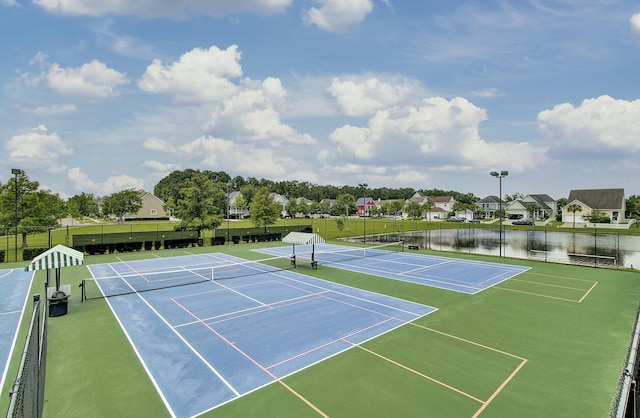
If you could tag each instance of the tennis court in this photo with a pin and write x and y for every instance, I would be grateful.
(392, 262)
(211, 328)
(15, 286)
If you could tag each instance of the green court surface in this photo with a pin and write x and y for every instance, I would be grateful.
(548, 343)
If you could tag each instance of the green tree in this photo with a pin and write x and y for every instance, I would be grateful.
(264, 210)
(304, 208)
(413, 209)
(291, 208)
(633, 207)
(531, 209)
(597, 216)
(201, 204)
(121, 203)
(426, 207)
(573, 208)
(83, 204)
(346, 204)
(36, 209)
(395, 206)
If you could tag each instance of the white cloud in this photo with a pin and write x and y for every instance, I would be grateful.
(597, 125)
(157, 144)
(338, 15)
(635, 28)
(437, 133)
(252, 115)
(52, 110)
(38, 149)
(487, 93)
(161, 167)
(81, 182)
(93, 80)
(162, 8)
(200, 75)
(10, 3)
(121, 182)
(211, 152)
(364, 96)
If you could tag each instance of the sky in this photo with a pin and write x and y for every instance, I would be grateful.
(100, 96)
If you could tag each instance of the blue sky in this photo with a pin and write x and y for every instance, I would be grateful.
(98, 96)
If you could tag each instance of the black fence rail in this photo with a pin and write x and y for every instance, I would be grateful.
(27, 394)
(625, 401)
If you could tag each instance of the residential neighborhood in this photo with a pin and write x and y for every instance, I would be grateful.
(610, 204)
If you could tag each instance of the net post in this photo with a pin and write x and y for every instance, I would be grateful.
(83, 295)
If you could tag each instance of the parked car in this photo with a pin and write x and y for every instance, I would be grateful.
(522, 222)
(456, 219)
(474, 221)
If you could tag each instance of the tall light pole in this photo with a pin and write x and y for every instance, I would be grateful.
(499, 177)
(16, 172)
(228, 210)
(364, 211)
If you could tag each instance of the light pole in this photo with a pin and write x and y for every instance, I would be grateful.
(228, 210)
(364, 211)
(499, 177)
(16, 172)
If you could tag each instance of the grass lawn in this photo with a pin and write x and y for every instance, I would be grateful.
(547, 343)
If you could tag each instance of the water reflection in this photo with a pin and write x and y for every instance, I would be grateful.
(590, 248)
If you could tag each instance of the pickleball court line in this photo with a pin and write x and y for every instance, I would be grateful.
(209, 366)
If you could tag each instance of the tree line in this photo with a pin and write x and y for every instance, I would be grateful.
(200, 200)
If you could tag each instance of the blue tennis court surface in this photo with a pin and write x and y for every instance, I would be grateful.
(456, 274)
(15, 285)
(212, 341)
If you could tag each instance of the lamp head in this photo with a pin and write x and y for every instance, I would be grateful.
(16, 171)
(504, 173)
(494, 173)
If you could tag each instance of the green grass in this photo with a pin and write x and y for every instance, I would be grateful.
(549, 342)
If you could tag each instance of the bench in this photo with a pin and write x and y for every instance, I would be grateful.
(413, 247)
(295, 260)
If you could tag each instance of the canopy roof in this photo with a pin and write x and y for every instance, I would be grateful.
(303, 238)
(58, 256)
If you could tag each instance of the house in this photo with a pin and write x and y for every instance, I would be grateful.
(419, 198)
(236, 211)
(364, 205)
(152, 208)
(611, 202)
(282, 201)
(532, 206)
(444, 202)
(489, 206)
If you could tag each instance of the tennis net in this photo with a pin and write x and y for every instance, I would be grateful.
(347, 254)
(137, 282)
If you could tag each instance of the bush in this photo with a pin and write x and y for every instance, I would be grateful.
(31, 253)
(1, 256)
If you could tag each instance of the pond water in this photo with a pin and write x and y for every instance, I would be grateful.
(590, 248)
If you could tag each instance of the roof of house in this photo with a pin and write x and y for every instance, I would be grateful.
(599, 198)
(489, 199)
(540, 199)
(442, 199)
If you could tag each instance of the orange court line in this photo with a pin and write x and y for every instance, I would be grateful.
(558, 277)
(538, 294)
(497, 391)
(486, 403)
(589, 291)
(467, 341)
(548, 284)
(421, 374)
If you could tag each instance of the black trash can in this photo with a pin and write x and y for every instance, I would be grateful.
(58, 303)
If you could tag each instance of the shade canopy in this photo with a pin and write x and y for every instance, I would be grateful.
(303, 238)
(56, 257)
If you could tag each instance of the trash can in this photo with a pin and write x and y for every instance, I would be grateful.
(58, 303)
